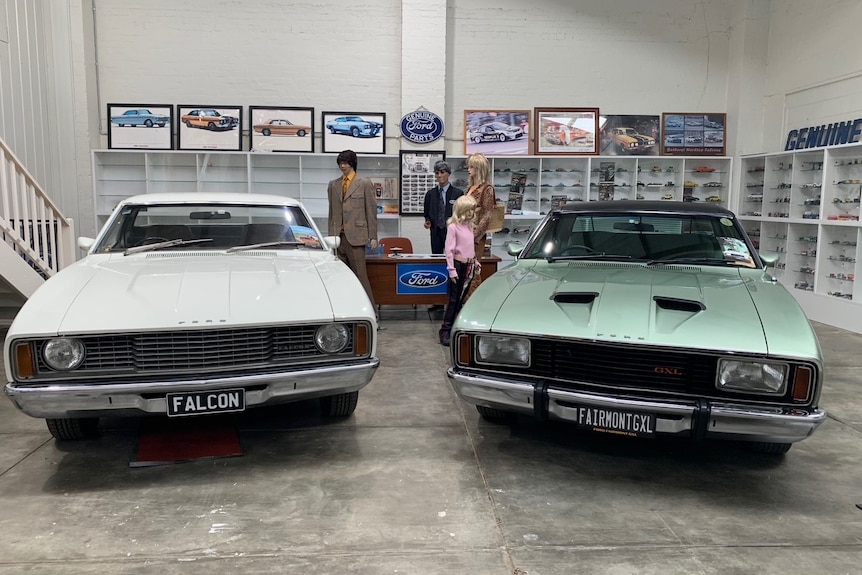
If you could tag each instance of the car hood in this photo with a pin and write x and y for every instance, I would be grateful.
(108, 293)
(716, 308)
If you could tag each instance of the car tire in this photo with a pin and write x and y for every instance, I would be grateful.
(771, 448)
(266, 132)
(148, 123)
(477, 140)
(300, 133)
(73, 429)
(354, 132)
(332, 130)
(188, 123)
(502, 137)
(340, 405)
(494, 415)
(211, 126)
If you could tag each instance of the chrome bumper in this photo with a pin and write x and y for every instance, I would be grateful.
(725, 420)
(63, 400)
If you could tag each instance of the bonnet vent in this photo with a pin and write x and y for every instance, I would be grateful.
(676, 304)
(575, 297)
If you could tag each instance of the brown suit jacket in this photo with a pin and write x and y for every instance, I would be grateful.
(356, 213)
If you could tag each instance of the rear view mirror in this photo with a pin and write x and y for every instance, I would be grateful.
(210, 215)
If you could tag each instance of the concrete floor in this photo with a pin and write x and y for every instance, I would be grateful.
(416, 483)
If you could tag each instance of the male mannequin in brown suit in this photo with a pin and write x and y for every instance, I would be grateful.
(353, 217)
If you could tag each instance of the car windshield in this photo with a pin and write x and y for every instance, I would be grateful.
(655, 239)
(208, 227)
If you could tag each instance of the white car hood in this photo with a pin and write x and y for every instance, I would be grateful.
(157, 290)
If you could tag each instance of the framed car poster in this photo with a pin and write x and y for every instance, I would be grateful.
(567, 131)
(209, 128)
(281, 129)
(140, 126)
(417, 177)
(494, 132)
(362, 132)
(629, 135)
(693, 134)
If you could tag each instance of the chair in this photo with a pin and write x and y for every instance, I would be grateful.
(169, 232)
(396, 242)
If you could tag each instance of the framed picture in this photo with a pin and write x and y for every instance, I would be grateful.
(693, 134)
(629, 135)
(497, 132)
(362, 132)
(140, 126)
(417, 177)
(209, 128)
(275, 129)
(567, 131)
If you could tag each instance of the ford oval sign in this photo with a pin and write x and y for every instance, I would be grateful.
(421, 126)
(422, 279)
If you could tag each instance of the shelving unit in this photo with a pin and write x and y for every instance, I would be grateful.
(804, 206)
(530, 185)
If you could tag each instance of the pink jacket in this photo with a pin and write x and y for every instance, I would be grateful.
(459, 245)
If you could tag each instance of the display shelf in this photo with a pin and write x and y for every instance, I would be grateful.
(809, 216)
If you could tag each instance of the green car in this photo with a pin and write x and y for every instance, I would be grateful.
(642, 319)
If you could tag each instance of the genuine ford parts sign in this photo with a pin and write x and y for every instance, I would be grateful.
(421, 279)
(421, 126)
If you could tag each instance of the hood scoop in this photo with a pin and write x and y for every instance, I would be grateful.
(677, 304)
(575, 297)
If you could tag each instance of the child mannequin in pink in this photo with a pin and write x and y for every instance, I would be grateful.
(460, 260)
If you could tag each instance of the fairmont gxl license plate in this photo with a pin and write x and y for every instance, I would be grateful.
(615, 421)
(201, 402)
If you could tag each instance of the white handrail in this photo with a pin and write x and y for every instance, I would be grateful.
(31, 224)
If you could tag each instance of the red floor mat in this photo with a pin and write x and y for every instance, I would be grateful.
(164, 442)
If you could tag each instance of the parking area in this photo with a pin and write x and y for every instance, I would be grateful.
(416, 483)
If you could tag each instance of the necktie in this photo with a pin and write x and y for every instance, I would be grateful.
(344, 182)
(441, 213)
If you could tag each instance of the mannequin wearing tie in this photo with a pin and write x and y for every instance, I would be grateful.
(438, 206)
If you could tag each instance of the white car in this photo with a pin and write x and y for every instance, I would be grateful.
(193, 304)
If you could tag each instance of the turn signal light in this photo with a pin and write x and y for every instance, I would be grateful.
(24, 360)
(464, 352)
(361, 340)
(802, 383)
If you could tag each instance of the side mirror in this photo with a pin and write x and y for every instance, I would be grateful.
(514, 248)
(85, 243)
(769, 260)
(332, 242)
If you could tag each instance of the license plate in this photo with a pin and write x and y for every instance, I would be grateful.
(202, 402)
(615, 421)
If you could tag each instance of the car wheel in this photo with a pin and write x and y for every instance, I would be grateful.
(73, 428)
(148, 123)
(340, 405)
(211, 126)
(502, 137)
(266, 132)
(493, 415)
(188, 123)
(477, 140)
(770, 448)
(300, 133)
(332, 130)
(354, 132)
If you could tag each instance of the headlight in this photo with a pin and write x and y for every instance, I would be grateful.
(63, 353)
(752, 376)
(331, 338)
(502, 349)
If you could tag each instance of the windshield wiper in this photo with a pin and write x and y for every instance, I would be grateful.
(600, 257)
(165, 244)
(705, 261)
(263, 245)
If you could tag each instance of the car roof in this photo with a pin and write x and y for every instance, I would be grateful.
(214, 198)
(644, 207)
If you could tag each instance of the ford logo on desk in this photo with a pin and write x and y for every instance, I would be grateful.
(422, 279)
(421, 126)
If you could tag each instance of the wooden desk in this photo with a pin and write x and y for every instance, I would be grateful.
(383, 276)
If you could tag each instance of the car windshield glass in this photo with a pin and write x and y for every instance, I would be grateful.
(703, 239)
(202, 226)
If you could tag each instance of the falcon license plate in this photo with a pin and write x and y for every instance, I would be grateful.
(630, 423)
(203, 402)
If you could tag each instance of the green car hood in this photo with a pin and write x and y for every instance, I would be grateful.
(716, 308)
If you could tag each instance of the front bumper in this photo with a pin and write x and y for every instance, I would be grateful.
(63, 400)
(695, 419)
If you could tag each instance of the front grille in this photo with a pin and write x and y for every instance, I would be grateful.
(196, 351)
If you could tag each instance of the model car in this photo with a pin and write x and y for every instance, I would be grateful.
(189, 304)
(667, 196)
(704, 169)
(628, 141)
(715, 199)
(209, 119)
(641, 318)
(354, 126)
(713, 184)
(495, 131)
(281, 127)
(141, 117)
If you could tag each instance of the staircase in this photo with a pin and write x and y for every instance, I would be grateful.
(37, 240)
